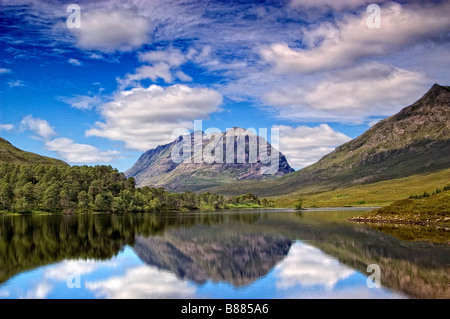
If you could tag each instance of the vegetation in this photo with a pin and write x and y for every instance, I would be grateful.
(419, 270)
(373, 195)
(13, 155)
(299, 204)
(419, 217)
(28, 188)
(408, 232)
(413, 141)
(418, 209)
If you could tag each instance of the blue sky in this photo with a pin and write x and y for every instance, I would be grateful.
(313, 275)
(136, 70)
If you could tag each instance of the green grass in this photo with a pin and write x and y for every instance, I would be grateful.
(428, 210)
(369, 195)
(12, 155)
(231, 206)
(410, 219)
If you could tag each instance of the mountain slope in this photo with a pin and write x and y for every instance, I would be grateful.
(239, 259)
(156, 167)
(415, 140)
(13, 155)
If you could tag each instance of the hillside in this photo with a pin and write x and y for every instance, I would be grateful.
(13, 155)
(156, 167)
(419, 209)
(369, 195)
(414, 141)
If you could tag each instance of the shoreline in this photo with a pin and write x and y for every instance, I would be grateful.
(392, 221)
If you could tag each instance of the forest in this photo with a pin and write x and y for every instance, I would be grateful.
(101, 188)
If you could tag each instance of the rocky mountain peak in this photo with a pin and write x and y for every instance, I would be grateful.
(198, 160)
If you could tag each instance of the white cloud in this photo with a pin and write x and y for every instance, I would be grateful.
(67, 268)
(40, 127)
(350, 95)
(82, 102)
(142, 282)
(96, 56)
(40, 292)
(77, 153)
(6, 127)
(61, 273)
(172, 57)
(112, 30)
(5, 71)
(350, 39)
(308, 266)
(153, 72)
(66, 148)
(373, 122)
(145, 117)
(74, 62)
(339, 5)
(305, 145)
(183, 76)
(158, 65)
(15, 83)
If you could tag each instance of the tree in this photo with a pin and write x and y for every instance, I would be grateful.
(103, 202)
(83, 201)
(22, 205)
(6, 195)
(299, 204)
(64, 199)
(27, 192)
(131, 184)
(51, 200)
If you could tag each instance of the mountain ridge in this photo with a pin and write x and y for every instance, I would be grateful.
(414, 140)
(11, 154)
(156, 167)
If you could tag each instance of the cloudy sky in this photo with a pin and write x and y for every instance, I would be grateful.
(306, 272)
(131, 72)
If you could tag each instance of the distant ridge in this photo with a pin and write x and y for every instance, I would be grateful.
(415, 140)
(13, 155)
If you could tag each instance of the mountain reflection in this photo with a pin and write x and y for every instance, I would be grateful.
(314, 250)
(236, 258)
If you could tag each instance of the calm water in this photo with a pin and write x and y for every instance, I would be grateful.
(257, 254)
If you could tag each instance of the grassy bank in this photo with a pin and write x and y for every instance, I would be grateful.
(420, 217)
(369, 195)
(426, 210)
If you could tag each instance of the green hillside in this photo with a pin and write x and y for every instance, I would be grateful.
(414, 141)
(12, 155)
(369, 195)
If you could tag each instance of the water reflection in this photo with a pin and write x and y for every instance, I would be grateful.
(220, 255)
(238, 258)
(308, 266)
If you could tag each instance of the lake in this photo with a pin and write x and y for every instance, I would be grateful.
(222, 254)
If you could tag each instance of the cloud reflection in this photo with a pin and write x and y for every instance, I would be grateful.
(142, 282)
(309, 266)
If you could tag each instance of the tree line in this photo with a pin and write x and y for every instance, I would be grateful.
(100, 188)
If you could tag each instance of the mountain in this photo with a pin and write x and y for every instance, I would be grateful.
(239, 259)
(414, 141)
(157, 167)
(13, 155)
